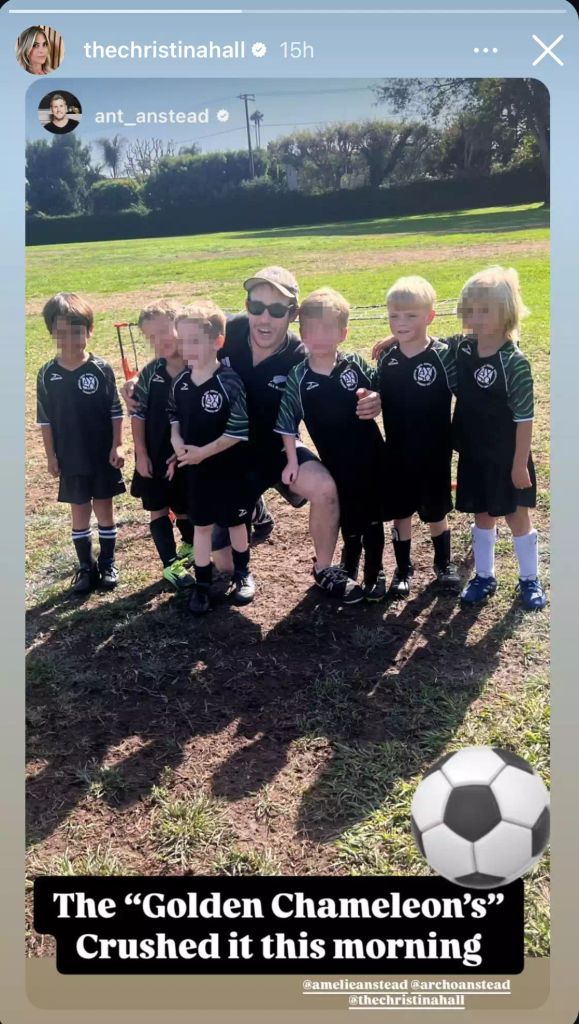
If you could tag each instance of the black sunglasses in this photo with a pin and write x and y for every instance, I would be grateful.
(277, 309)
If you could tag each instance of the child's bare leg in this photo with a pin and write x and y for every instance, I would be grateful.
(403, 528)
(202, 543)
(519, 521)
(103, 510)
(239, 537)
(436, 529)
(163, 538)
(81, 535)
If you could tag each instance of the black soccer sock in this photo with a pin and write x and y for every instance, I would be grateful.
(107, 540)
(240, 560)
(83, 544)
(164, 539)
(351, 553)
(185, 527)
(373, 552)
(441, 546)
(203, 575)
(401, 553)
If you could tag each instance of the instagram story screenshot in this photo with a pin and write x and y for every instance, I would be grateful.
(289, 561)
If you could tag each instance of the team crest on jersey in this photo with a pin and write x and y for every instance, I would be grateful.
(278, 382)
(425, 374)
(485, 376)
(88, 383)
(349, 379)
(212, 401)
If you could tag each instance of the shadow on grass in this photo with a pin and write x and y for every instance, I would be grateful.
(118, 690)
(433, 224)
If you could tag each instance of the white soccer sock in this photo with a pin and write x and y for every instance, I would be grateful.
(483, 542)
(527, 551)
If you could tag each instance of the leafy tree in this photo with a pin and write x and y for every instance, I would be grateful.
(112, 153)
(59, 175)
(510, 109)
(113, 195)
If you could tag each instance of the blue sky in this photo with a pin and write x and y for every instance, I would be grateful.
(288, 105)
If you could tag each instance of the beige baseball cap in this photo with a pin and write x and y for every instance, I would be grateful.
(279, 277)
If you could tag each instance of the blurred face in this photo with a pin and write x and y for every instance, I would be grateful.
(70, 336)
(265, 330)
(483, 318)
(161, 334)
(38, 52)
(322, 335)
(58, 110)
(409, 323)
(197, 348)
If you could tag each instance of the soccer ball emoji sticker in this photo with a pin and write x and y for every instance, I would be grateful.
(480, 817)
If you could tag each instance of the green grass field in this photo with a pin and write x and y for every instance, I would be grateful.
(288, 737)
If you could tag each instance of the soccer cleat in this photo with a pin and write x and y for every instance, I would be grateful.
(376, 591)
(262, 523)
(185, 552)
(532, 595)
(177, 575)
(85, 579)
(335, 582)
(447, 576)
(244, 587)
(478, 590)
(109, 576)
(400, 585)
(199, 603)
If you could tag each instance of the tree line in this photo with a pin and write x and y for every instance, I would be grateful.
(451, 129)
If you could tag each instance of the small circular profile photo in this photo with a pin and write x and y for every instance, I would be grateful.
(39, 50)
(59, 112)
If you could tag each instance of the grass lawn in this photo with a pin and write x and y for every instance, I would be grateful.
(288, 737)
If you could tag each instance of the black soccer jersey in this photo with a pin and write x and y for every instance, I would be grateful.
(494, 393)
(264, 384)
(152, 392)
(206, 411)
(79, 405)
(352, 449)
(416, 393)
(217, 487)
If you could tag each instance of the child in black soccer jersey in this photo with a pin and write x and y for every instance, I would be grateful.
(493, 429)
(415, 382)
(79, 413)
(208, 416)
(155, 481)
(322, 390)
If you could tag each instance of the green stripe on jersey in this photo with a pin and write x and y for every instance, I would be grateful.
(519, 378)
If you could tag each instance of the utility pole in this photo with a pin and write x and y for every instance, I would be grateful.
(245, 96)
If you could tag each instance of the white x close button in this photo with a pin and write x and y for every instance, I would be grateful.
(548, 50)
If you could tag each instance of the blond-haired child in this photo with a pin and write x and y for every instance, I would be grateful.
(208, 414)
(322, 390)
(415, 379)
(493, 431)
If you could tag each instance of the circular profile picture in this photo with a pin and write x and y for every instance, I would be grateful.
(59, 112)
(39, 50)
